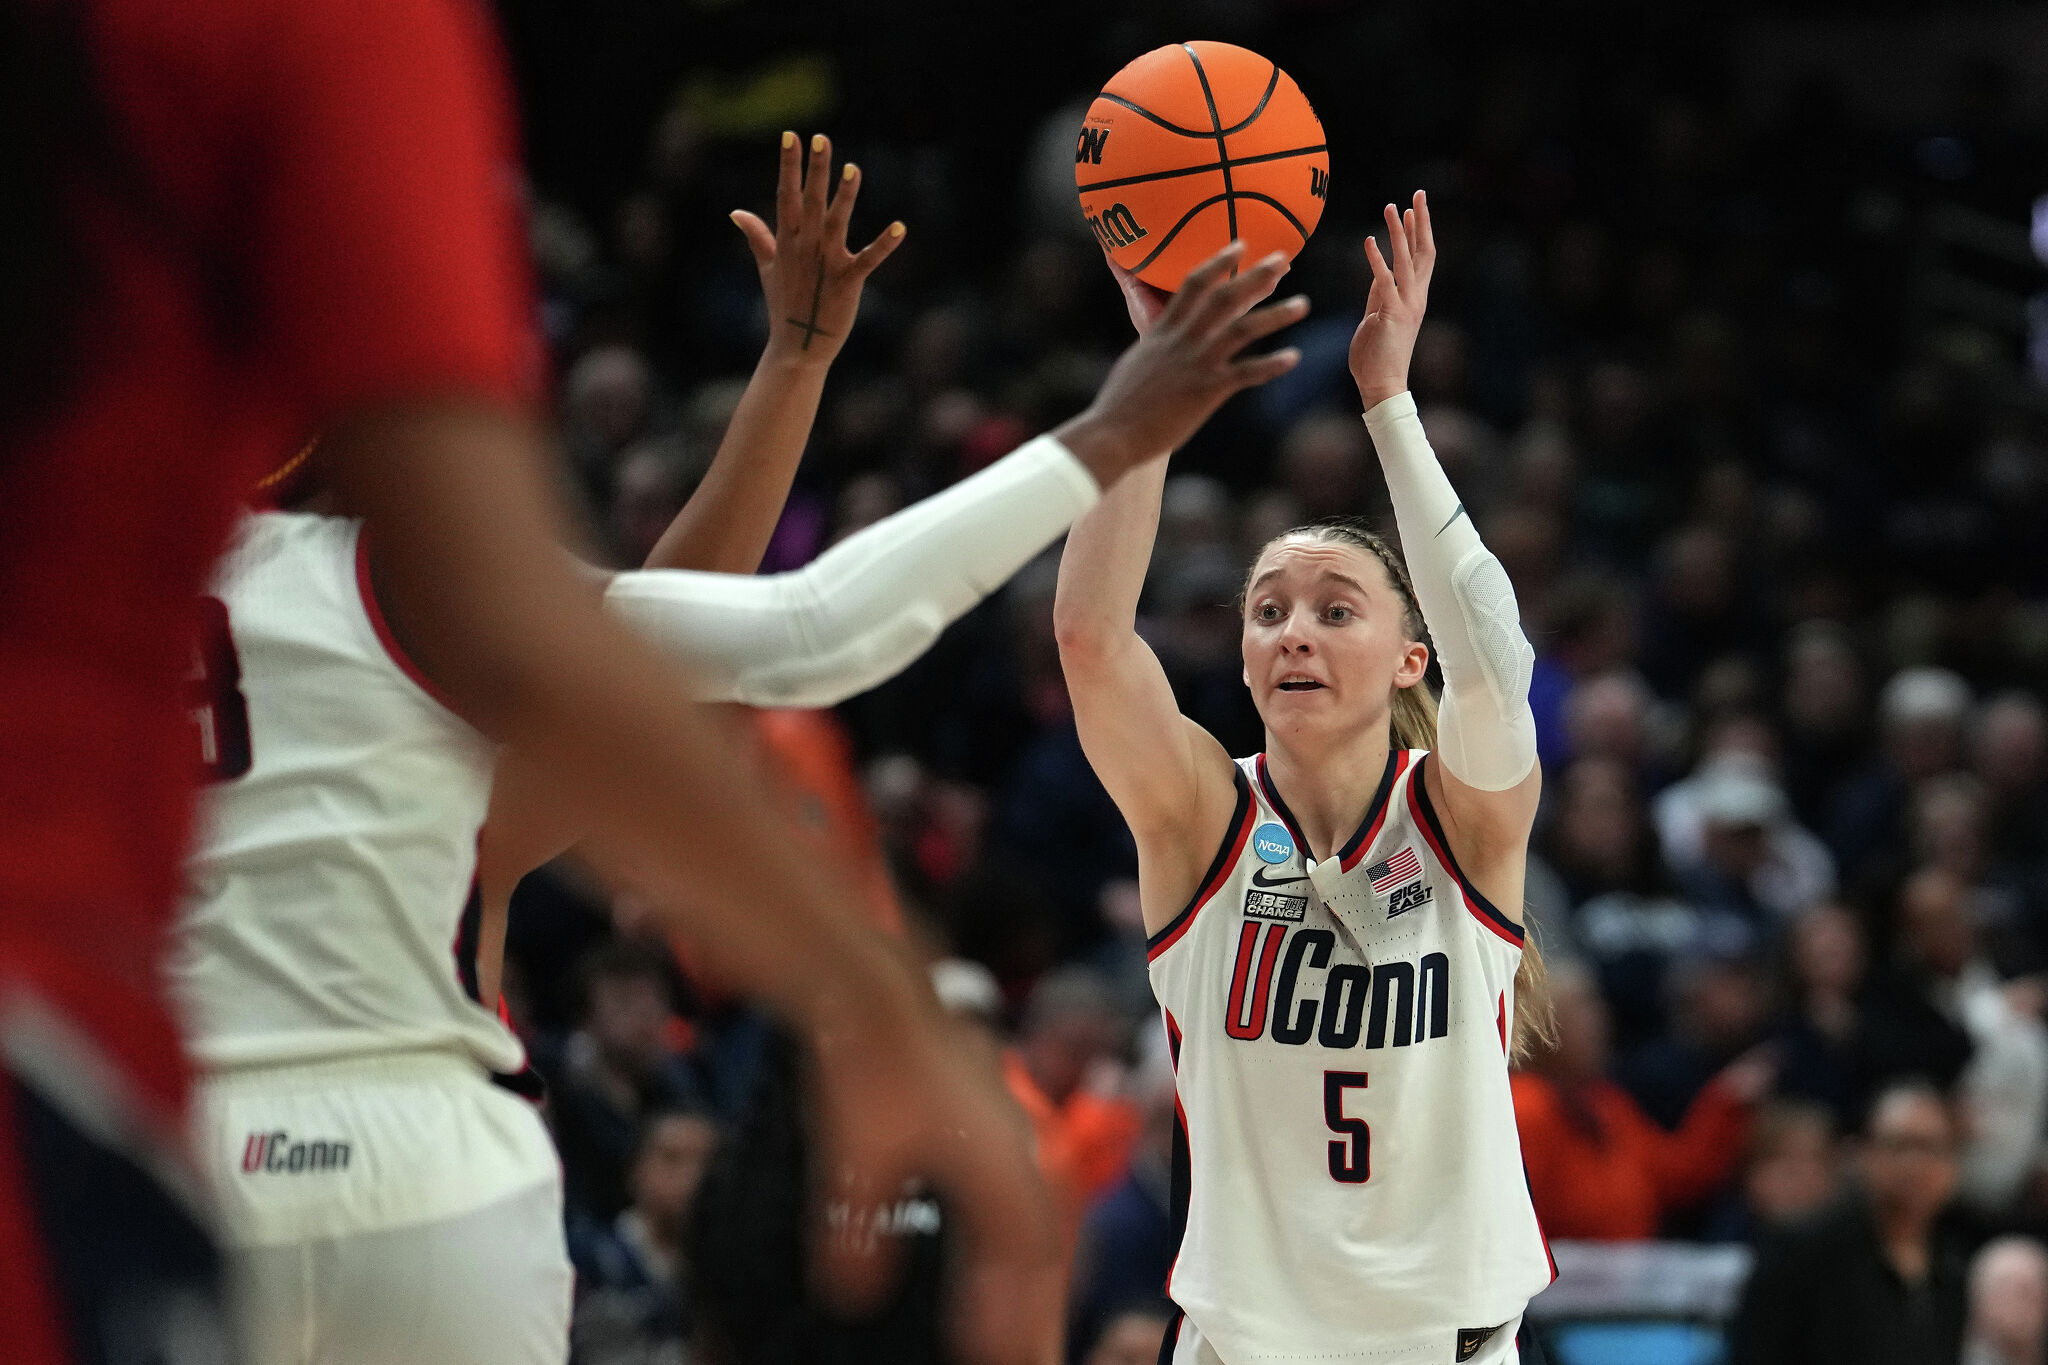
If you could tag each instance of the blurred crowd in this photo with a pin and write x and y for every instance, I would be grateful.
(1771, 502)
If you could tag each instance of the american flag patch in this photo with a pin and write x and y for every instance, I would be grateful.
(1402, 867)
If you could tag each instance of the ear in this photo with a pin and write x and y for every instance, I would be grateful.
(1414, 664)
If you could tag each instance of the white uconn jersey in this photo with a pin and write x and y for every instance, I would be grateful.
(1355, 1188)
(337, 844)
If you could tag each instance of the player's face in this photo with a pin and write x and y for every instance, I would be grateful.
(1325, 637)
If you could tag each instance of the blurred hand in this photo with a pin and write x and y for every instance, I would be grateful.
(1384, 341)
(812, 282)
(911, 1098)
(1185, 364)
(1145, 302)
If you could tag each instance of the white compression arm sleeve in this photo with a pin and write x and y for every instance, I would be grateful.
(863, 610)
(1486, 733)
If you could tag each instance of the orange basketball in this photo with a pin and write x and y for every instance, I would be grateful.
(1193, 145)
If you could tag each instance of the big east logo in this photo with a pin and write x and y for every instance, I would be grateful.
(1387, 1004)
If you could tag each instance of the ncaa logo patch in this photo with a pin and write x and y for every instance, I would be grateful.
(1272, 843)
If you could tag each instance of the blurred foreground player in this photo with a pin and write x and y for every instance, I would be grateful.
(382, 1198)
(226, 224)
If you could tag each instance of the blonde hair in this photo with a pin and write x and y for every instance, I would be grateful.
(1413, 726)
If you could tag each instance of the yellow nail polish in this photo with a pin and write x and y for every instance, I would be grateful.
(817, 142)
(849, 171)
(788, 140)
(896, 229)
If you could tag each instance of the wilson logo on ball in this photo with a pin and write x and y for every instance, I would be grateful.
(1318, 182)
(1092, 142)
(1116, 227)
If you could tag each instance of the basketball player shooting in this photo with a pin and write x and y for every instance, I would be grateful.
(1335, 925)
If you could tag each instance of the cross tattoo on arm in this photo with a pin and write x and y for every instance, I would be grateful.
(811, 328)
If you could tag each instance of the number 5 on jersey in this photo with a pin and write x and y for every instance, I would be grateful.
(1351, 1159)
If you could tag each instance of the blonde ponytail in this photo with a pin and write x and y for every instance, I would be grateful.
(1413, 723)
(1414, 720)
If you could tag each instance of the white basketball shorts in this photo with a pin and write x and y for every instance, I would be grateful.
(387, 1211)
(1190, 1347)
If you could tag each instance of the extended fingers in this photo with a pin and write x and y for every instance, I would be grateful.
(1263, 322)
(789, 182)
(1211, 274)
(1397, 241)
(1382, 273)
(840, 213)
(1425, 233)
(1261, 369)
(877, 251)
(815, 176)
(760, 240)
(1224, 303)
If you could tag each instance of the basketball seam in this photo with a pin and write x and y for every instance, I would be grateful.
(1272, 84)
(1197, 170)
(1143, 112)
(1222, 148)
(1174, 231)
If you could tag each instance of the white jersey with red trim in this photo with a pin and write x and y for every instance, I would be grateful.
(1353, 1180)
(337, 842)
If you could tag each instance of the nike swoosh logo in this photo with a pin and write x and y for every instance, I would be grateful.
(1259, 878)
(1453, 521)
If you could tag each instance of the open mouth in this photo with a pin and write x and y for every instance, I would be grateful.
(1301, 685)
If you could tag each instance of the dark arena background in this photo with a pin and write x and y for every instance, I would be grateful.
(1737, 351)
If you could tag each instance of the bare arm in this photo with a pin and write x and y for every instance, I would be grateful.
(1169, 777)
(812, 285)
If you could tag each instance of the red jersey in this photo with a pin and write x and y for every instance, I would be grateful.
(326, 223)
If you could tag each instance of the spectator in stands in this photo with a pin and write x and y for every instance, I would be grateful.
(1791, 1171)
(1824, 717)
(1626, 919)
(2003, 1091)
(1066, 1058)
(1877, 1280)
(1734, 845)
(2008, 1323)
(1719, 1007)
(1599, 1168)
(614, 1071)
(632, 1302)
(1128, 1238)
(1921, 713)
(1133, 1335)
(2009, 745)
(1822, 1042)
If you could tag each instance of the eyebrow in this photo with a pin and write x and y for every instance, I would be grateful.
(1346, 579)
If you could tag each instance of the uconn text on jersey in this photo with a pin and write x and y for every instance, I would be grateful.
(1384, 1004)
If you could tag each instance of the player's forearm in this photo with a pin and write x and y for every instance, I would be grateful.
(869, 605)
(1487, 727)
(727, 523)
(1102, 568)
